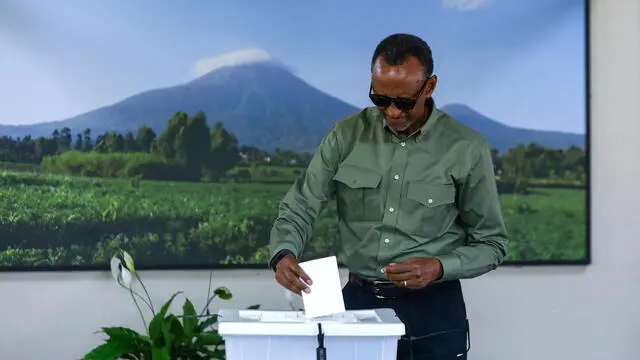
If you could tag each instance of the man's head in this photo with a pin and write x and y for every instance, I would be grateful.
(402, 81)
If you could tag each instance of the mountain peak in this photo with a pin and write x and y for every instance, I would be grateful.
(241, 57)
(265, 105)
(237, 65)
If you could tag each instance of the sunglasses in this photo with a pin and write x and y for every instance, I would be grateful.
(401, 103)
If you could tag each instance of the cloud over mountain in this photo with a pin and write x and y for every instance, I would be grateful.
(238, 57)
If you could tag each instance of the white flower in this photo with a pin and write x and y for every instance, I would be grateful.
(121, 270)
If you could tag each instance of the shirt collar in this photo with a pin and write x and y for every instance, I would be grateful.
(431, 121)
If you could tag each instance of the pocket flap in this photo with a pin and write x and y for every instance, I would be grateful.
(430, 194)
(357, 177)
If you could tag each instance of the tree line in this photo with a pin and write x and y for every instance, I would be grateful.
(188, 149)
(532, 164)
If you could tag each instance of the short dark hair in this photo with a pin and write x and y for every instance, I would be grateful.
(396, 48)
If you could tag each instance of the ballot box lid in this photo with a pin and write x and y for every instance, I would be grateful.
(376, 322)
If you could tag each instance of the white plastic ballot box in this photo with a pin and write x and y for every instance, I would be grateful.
(277, 335)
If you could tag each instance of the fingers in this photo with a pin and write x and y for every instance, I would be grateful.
(284, 278)
(297, 279)
(399, 273)
(414, 284)
(399, 268)
(411, 276)
(302, 275)
(291, 282)
(405, 276)
(291, 276)
(410, 280)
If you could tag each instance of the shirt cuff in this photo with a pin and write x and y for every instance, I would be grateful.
(278, 255)
(450, 267)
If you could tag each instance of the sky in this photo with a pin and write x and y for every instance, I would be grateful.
(519, 62)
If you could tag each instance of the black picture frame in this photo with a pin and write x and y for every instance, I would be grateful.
(586, 260)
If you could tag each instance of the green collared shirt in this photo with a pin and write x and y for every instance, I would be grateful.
(432, 194)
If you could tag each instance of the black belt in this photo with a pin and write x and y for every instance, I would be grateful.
(382, 289)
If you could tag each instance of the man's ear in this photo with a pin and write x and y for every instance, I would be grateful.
(431, 85)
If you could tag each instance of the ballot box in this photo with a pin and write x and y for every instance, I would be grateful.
(271, 335)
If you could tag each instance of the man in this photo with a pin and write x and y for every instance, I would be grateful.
(417, 204)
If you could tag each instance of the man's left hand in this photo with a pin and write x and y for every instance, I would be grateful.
(414, 273)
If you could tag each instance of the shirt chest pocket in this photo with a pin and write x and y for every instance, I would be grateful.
(358, 193)
(433, 205)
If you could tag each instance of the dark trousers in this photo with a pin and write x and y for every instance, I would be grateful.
(435, 319)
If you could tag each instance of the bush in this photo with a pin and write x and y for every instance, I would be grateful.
(147, 166)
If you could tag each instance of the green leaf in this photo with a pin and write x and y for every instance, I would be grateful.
(218, 354)
(223, 293)
(155, 326)
(207, 355)
(254, 307)
(137, 355)
(124, 334)
(189, 320)
(202, 354)
(174, 327)
(164, 340)
(110, 350)
(209, 338)
(207, 323)
(160, 354)
(166, 305)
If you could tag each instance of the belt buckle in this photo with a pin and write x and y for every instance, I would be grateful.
(377, 290)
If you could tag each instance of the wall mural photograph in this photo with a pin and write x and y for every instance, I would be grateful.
(173, 131)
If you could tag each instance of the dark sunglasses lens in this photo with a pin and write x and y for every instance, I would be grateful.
(405, 105)
(379, 101)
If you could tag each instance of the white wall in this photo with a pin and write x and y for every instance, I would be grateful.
(525, 314)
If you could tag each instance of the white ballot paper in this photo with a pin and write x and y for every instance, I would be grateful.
(325, 297)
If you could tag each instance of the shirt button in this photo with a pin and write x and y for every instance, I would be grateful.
(382, 271)
(386, 241)
(391, 209)
(396, 177)
(402, 144)
(430, 201)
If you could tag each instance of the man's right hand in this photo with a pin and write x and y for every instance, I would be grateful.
(289, 275)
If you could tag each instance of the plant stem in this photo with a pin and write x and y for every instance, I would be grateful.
(206, 307)
(209, 302)
(144, 322)
(146, 292)
(130, 288)
(144, 301)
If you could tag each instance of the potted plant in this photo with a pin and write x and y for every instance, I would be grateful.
(168, 336)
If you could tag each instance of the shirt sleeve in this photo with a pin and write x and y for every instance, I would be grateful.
(480, 211)
(307, 197)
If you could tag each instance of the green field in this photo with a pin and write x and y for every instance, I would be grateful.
(50, 220)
